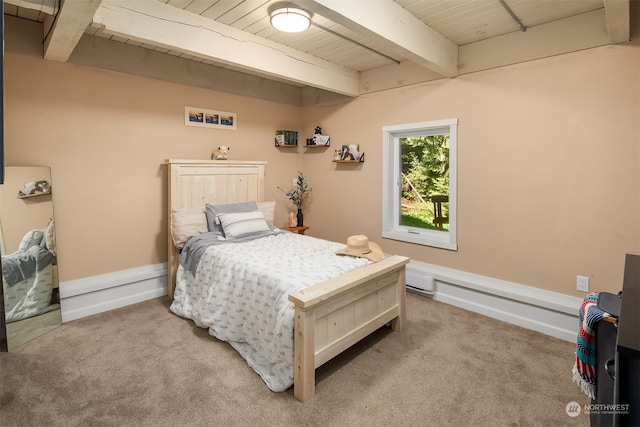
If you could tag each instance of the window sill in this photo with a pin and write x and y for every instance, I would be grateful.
(434, 239)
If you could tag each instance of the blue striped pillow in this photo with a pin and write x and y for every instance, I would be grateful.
(238, 224)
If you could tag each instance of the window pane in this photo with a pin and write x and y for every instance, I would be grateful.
(424, 195)
(419, 183)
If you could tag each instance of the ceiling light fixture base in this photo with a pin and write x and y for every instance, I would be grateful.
(290, 19)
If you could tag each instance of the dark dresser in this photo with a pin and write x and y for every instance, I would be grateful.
(627, 358)
(617, 401)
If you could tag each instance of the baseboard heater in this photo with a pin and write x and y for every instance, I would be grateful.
(420, 283)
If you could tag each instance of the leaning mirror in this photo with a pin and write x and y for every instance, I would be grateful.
(29, 263)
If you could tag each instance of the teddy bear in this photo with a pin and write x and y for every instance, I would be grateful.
(221, 153)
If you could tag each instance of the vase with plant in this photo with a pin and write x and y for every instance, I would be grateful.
(298, 194)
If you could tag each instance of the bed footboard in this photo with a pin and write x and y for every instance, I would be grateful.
(332, 316)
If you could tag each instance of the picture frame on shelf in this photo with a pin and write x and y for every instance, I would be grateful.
(319, 141)
(351, 153)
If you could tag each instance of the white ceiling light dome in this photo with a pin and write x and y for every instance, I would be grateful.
(290, 19)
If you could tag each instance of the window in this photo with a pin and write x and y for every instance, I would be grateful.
(419, 183)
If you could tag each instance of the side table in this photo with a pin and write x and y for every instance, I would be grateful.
(300, 230)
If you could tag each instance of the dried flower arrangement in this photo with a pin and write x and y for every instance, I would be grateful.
(300, 192)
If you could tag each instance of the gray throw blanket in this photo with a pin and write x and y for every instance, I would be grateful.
(197, 245)
(19, 266)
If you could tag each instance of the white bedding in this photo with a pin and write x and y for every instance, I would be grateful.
(30, 297)
(240, 293)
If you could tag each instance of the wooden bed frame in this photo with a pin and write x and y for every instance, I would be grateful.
(330, 316)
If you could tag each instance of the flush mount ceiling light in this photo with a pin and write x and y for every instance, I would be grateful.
(290, 19)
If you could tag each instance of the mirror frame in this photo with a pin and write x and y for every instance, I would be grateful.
(27, 195)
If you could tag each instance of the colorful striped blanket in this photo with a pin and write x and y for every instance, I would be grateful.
(584, 370)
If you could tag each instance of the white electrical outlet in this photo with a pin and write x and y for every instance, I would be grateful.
(583, 284)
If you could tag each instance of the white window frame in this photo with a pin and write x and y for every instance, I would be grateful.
(392, 183)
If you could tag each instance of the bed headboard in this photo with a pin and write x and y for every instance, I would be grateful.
(194, 183)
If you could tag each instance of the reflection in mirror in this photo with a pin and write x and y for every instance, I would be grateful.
(29, 263)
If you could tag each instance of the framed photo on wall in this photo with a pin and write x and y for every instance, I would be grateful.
(194, 116)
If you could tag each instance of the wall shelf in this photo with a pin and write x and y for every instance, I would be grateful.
(286, 138)
(360, 160)
(286, 145)
(21, 195)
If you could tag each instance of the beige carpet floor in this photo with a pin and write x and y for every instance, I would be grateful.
(143, 366)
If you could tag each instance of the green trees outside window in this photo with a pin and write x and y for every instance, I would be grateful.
(425, 182)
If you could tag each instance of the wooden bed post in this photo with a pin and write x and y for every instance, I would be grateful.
(304, 378)
(172, 252)
(399, 324)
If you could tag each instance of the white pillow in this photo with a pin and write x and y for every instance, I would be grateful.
(269, 211)
(239, 224)
(32, 238)
(186, 223)
(50, 237)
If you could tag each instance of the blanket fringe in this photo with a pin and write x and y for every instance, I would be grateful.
(588, 389)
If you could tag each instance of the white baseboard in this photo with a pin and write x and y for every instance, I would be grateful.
(547, 312)
(97, 294)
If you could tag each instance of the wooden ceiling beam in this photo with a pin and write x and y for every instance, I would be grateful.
(566, 35)
(156, 23)
(63, 31)
(541, 41)
(44, 6)
(389, 24)
(618, 20)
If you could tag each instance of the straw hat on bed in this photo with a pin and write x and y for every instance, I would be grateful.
(360, 246)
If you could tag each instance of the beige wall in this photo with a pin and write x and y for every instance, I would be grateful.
(548, 178)
(548, 168)
(105, 135)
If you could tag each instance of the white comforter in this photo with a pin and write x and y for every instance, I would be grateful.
(240, 292)
(30, 297)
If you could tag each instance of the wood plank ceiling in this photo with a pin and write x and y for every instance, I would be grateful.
(352, 47)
